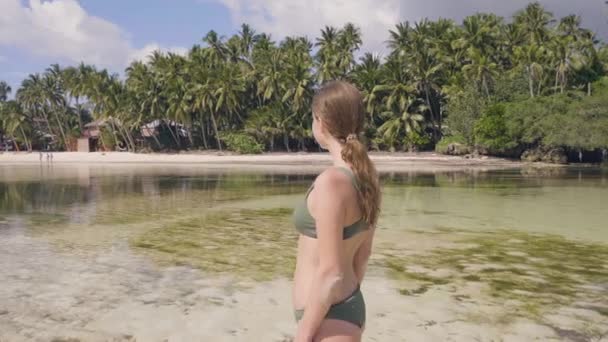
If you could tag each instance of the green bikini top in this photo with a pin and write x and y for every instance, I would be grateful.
(305, 223)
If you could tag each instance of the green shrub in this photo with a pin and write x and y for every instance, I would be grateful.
(491, 130)
(463, 110)
(243, 143)
(415, 141)
(442, 145)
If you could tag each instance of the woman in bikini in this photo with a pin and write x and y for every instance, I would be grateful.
(336, 221)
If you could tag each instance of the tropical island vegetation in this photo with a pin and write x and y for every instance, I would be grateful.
(530, 86)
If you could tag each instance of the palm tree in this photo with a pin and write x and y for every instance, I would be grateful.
(54, 93)
(425, 67)
(327, 56)
(204, 101)
(531, 57)
(5, 90)
(349, 42)
(14, 124)
(271, 74)
(534, 20)
(408, 122)
(297, 89)
(482, 71)
(512, 37)
(229, 86)
(367, 74)
(247, 38)
(217, 50)
(481, 32)
(562, 55)
(265, 123)
(247, 83)
(399, 40)
(399, 102)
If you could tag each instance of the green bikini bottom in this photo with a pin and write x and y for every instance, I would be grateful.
(351, 309)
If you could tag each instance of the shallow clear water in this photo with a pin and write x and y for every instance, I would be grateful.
(569, 202)
(122, 230)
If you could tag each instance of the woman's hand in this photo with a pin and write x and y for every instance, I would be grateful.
(302, 335)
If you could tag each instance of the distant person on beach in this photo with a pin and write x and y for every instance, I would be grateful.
(336, 221)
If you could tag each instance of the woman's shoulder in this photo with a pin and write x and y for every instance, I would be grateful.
(333, 179)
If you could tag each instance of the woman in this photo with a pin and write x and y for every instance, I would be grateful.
(336, 221)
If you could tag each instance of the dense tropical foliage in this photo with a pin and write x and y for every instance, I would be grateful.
(498, 86)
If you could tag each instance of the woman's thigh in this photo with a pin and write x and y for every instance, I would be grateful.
(333, 330)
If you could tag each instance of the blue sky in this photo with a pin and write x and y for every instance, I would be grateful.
(111, 33)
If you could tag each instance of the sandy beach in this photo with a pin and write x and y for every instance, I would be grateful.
(426, 161)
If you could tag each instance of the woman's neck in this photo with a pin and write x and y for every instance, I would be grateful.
(335, 151)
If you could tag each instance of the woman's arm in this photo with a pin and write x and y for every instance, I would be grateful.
(326, 282)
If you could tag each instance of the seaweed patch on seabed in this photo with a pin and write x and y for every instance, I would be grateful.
(253, 244)
(531, 276)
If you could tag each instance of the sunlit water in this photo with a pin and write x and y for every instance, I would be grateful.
(127, 228)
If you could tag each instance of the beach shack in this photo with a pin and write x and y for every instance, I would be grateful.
(89, 142)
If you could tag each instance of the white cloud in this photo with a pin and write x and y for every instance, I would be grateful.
(296, 17)
(375, 17)
(63, 30)
(146, 51)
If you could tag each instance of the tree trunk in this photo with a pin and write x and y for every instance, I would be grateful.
(286, 141)
(588, 88)
(178, 137)
(103, 143)
(130, 141)
(27, 143)
(15, 143)
(203, 134)
(173, 135)
(272, 143)
(80, 125)
(485, 87)
(160, 147)
(114, 132)
(530, 81)
(217, 134)
(189, 132)
(440, 120)
(428, 102)
(124, 137)
(48, 124)
(65, 140)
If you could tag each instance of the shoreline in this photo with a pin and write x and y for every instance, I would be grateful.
(386, 162)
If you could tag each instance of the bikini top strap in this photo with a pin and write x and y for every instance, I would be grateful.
(351, 174)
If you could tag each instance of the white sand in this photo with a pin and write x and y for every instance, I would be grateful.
(113, 295)
(426, 161)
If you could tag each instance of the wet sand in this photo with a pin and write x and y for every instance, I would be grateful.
(112, 294)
